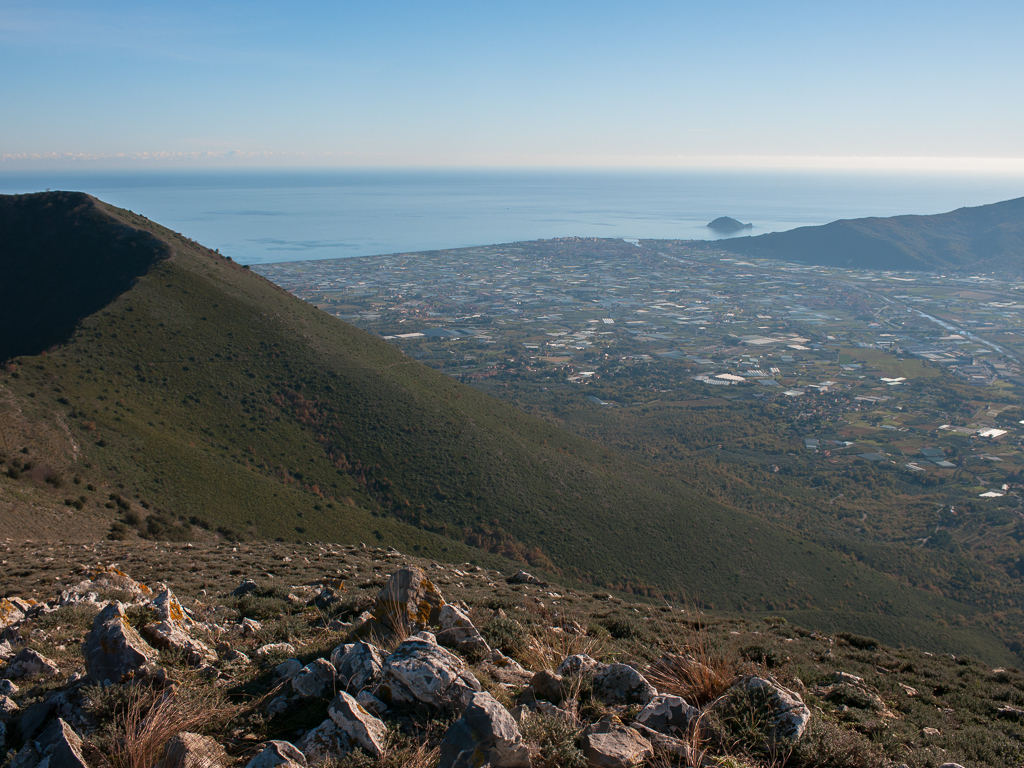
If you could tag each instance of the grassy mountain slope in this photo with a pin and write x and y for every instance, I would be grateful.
(983, 238)
(205, 392)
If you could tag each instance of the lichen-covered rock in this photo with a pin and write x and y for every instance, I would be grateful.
(371, 703)
(408, 602)
(114, 652)
(666, 714)
(485, 734)
(663, 743)
(192, 750)
(359, 666)
(621, 684)
(111, 579)
(57, 747)
(10, 613)
(339, 652)
(172, 630)
(614, 745)
(35, 717)
(325, 742)
(29, 662)
(359, 724)
(422, 671)
(278, 754)
(314, 679)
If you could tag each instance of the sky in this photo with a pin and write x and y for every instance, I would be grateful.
(882, 85)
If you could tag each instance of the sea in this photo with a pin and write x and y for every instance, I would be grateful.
(267, 216)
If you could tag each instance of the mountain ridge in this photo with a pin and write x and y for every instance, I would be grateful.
(981, 238)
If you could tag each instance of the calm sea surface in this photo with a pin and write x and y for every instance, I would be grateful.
(267, 216)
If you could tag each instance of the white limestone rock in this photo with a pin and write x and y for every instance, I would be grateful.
(423, 672)
(485, 734)
(613, 745)
(278, 754)
(314, 679)
(621, 684)
(358, 723)
(359, 666)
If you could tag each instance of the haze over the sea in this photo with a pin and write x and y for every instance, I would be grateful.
(267, 216)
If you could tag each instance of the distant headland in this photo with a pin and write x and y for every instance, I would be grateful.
(728, 224)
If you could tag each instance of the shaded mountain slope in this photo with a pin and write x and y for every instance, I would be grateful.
(60, 261)
(984, 238)
(208, 393)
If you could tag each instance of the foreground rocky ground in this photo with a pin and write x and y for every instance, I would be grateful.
(215, 654)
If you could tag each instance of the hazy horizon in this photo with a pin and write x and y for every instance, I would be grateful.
(280, 215)
(876, 86)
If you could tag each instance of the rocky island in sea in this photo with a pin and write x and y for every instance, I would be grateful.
(728, 224)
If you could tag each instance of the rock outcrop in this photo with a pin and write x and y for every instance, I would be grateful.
(114, 652)
(614, 745)
(172, 630)
(485, 734)
(362, 727)
(421, 671)
(409, 602)
(359, 666)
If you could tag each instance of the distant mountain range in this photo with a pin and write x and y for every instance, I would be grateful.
(988, 238)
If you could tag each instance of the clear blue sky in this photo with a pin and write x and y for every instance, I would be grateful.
(511, 83)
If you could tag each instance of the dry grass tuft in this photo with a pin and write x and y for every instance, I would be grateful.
(400, 751)
(700, 676)
(547, 647)
(400, 631)
(149, 720)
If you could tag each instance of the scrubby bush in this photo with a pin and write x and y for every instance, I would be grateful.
(858, 641)
(552, 741)
(507, 635)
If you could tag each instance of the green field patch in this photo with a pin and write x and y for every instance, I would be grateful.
(891, 365)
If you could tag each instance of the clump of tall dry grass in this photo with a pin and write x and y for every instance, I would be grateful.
(149, 719)
(400, 751)
(546, 647)
(700, 676)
